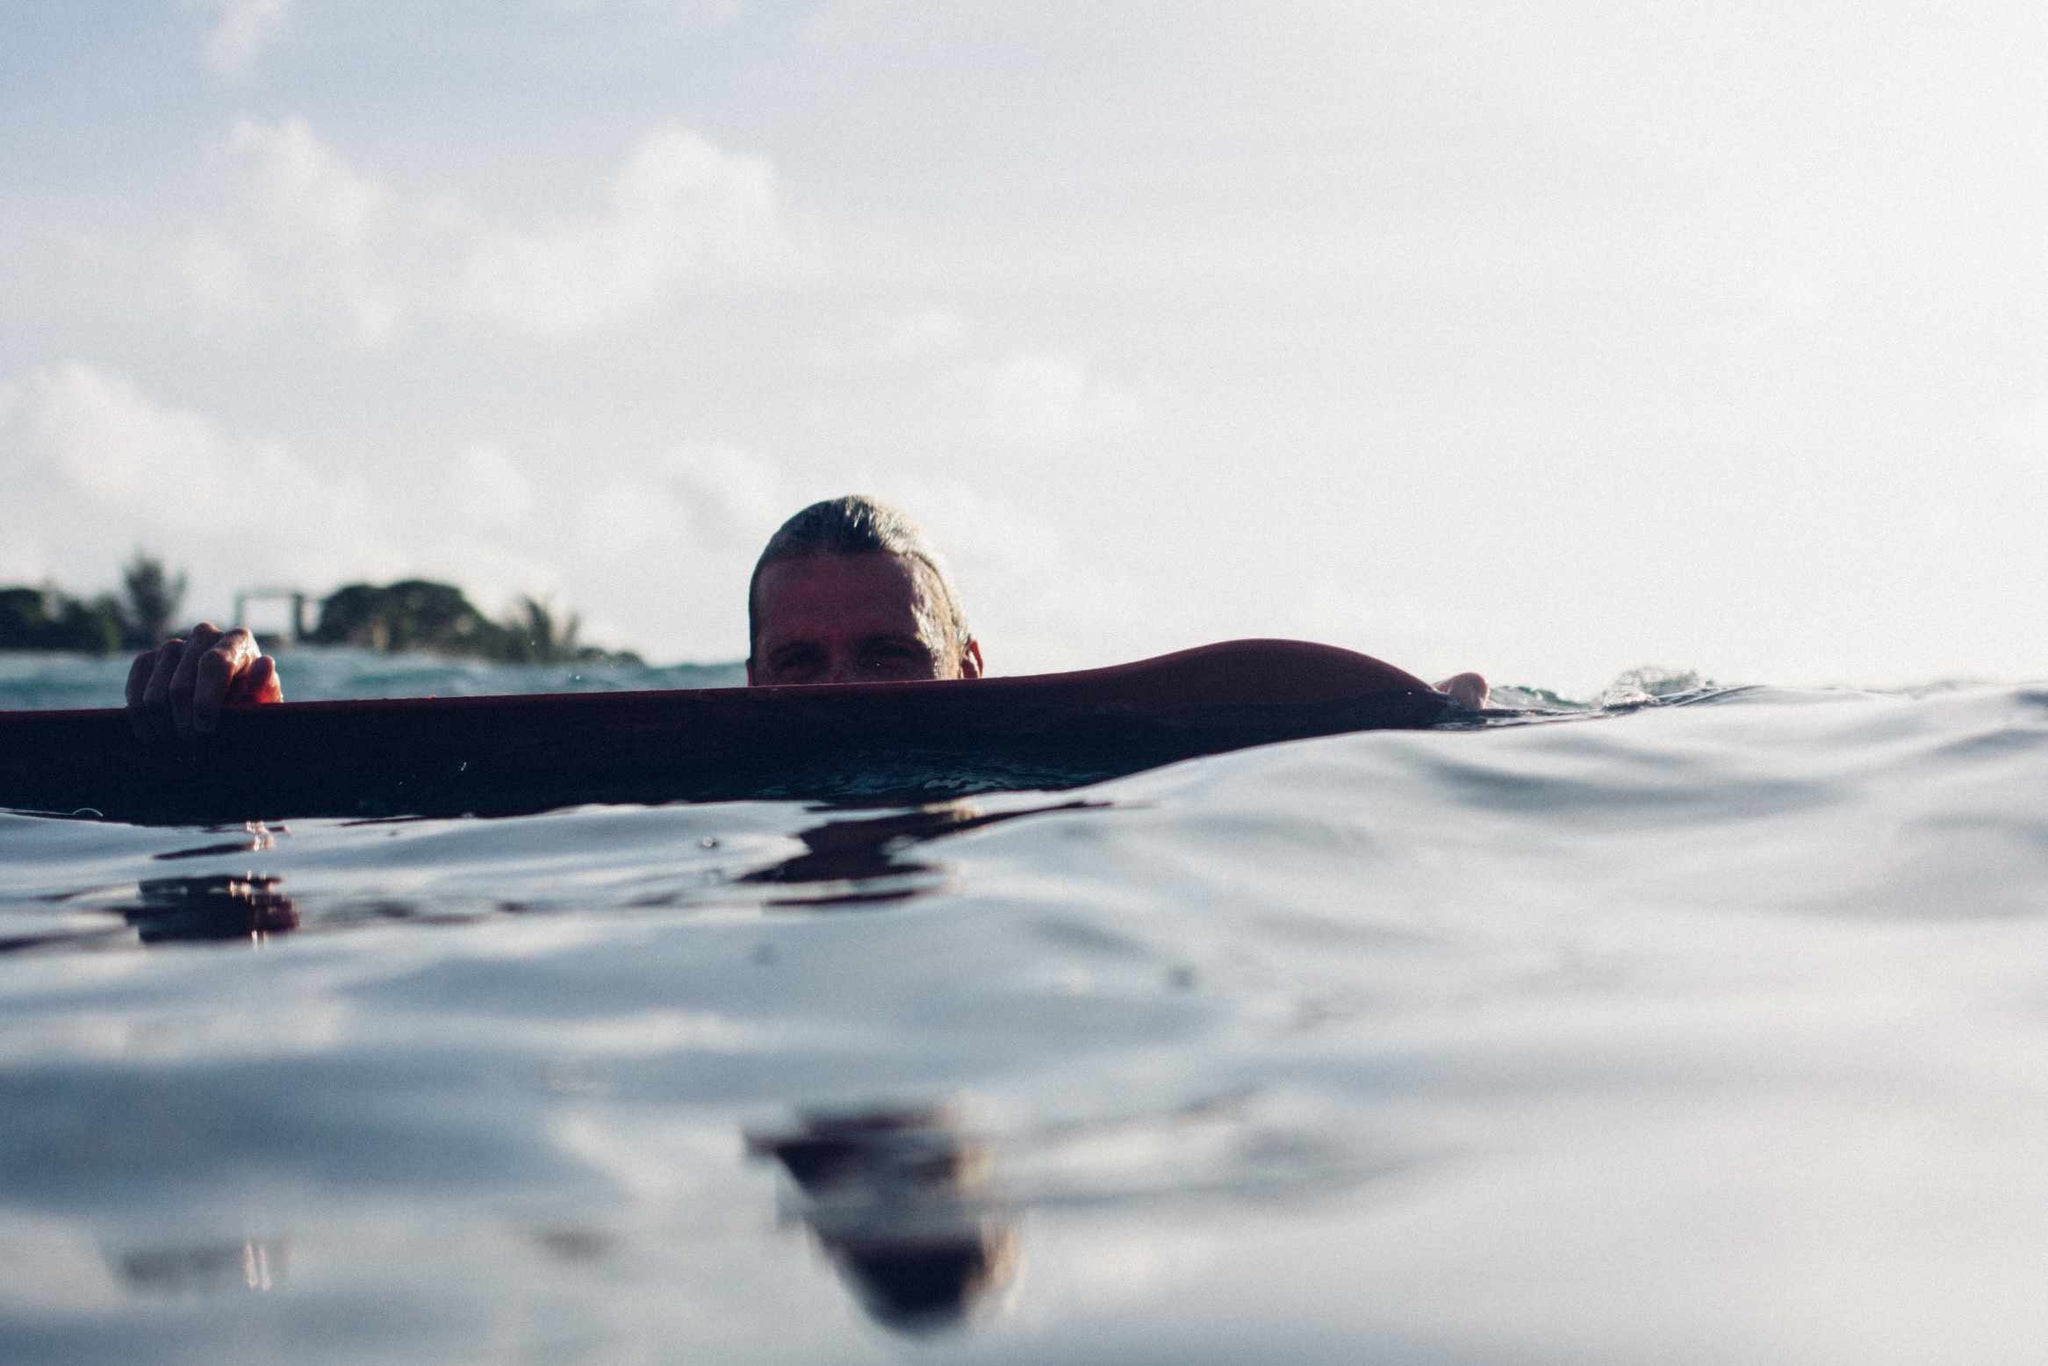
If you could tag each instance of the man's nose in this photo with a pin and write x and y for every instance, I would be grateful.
(843, 669)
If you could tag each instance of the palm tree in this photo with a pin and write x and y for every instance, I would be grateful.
(150, 599)
(533, 636)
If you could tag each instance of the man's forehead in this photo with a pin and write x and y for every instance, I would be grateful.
(873, 584)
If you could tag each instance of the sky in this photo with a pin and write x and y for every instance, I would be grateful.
(1543, 340)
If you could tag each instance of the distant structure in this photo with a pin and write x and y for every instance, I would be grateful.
(297, 597)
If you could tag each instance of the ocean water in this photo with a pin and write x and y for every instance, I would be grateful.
(1695, 1025)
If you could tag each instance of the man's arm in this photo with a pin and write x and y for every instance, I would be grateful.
(179, 688)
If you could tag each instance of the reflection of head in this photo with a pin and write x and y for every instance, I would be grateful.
(216, 906)
(251, 1264)
(927, 1287)
(856, 525)
(868, 854)
(878, 836)
(873, 855)
(896, 1199)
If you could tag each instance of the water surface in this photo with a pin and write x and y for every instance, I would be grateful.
(1707, 1028)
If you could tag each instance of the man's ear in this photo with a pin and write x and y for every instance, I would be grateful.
(750, 671)
(970, 660)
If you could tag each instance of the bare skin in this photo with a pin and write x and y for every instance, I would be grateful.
(823, 619)
(1468, 690)
(855, 619)
(178, 689)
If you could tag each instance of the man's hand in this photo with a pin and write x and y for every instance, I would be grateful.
(1467, 690)
(179, 688)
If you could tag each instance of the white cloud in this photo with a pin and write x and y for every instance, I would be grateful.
(688, 14)
(697, 499)
(662, 548)
(241, 30)
(1036, 400)
(916, 336)
(99, 461)
(97, 433)
(95, 465)
(625, 520)
(734, 498)
(98, 437)
(304, 186)
(218, 278)
(681, 217)
(894, 339)
(2021, 431)
(485, 486)
(317, 228)
(98, 465)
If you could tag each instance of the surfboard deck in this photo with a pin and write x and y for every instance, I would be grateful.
(504, 755)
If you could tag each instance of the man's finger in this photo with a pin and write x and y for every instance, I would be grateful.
(256, 684)
(138, 679)
(186, 676)
(156, 694)
(213, 672)
(269, 687)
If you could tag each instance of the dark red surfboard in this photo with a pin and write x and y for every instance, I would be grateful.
(876, 741)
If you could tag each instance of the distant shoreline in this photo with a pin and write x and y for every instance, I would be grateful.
(409, 616)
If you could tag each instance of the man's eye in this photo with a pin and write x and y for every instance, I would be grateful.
(895, 659)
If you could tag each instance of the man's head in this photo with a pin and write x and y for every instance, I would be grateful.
(850, 591)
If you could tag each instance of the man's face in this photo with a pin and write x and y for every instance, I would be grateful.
(854, 619)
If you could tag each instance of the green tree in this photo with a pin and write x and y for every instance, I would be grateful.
(88, 627)
(413, 614)
(24, 618)
(150, 598)
(45, 619)
(531, 635)
(418, 614)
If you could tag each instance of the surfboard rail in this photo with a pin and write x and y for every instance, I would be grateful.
(495, 755)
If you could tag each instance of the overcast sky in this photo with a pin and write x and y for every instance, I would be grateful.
(1542, 339)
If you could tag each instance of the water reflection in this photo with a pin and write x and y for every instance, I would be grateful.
(845, 861)
(256, 1264)
(902, 1202)
(870, 855)
(209, 909)
(255, 837)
